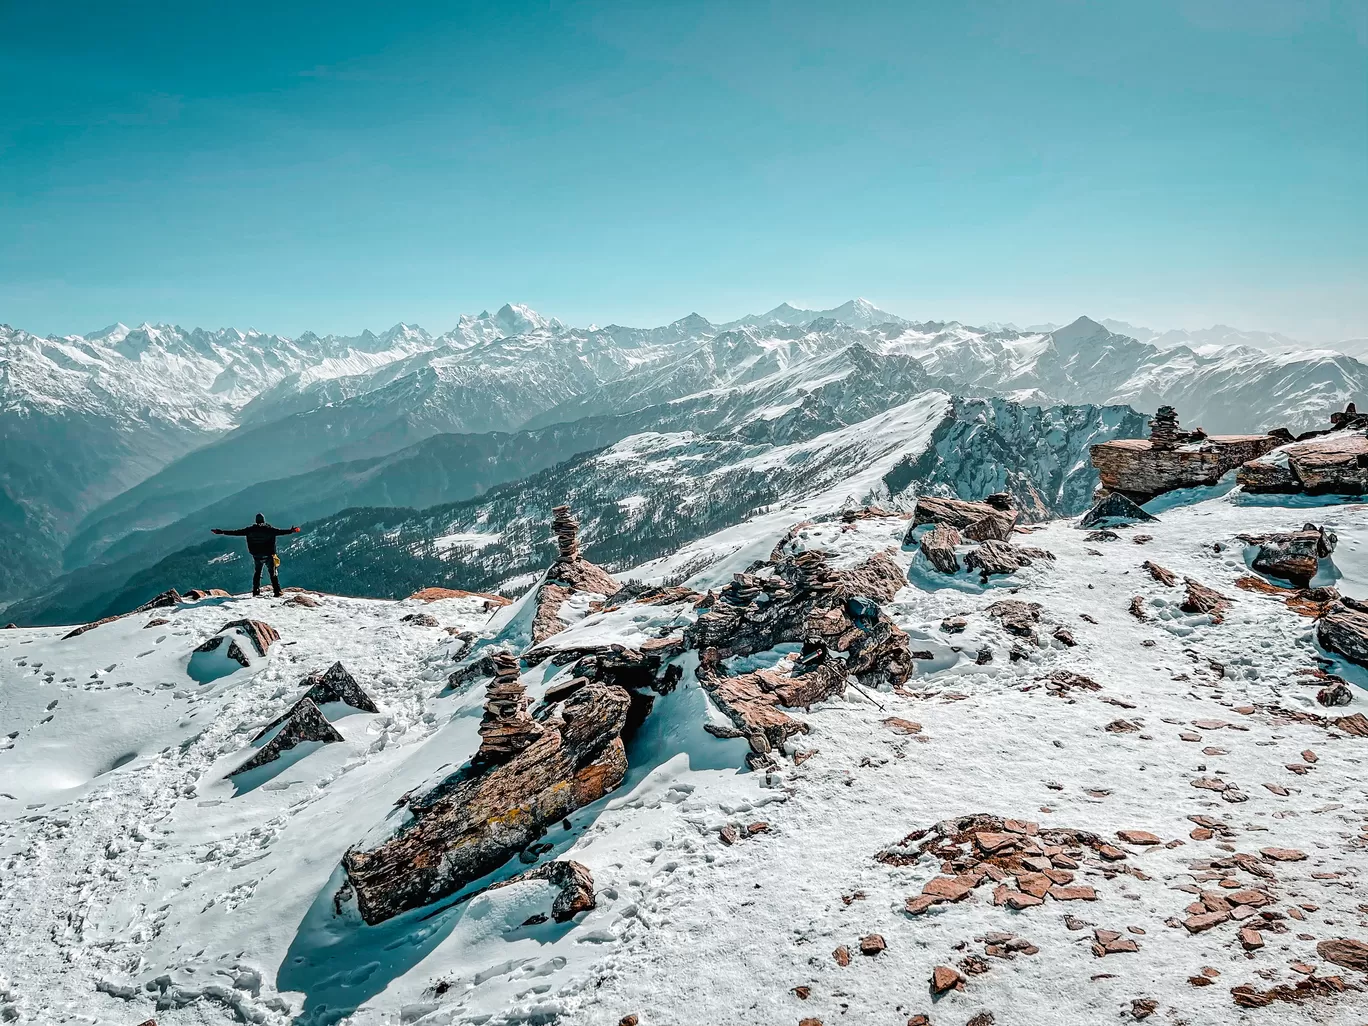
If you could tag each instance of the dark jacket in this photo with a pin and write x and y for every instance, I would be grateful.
(261, 538)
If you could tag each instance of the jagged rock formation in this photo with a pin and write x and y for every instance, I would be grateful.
(568, 574)
(334, 684)
(479, 817)
(506, 728)
(1292, 556)
(1344, 630)
(304, 723)
(752, 700)
(1141, 468)
(1335, 464)
(978, 521)
(802, 599)
(171, 597)
(938, 546)
(575, 883)
(1113, 509)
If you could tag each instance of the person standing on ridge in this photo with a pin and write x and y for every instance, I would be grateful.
(261, 543)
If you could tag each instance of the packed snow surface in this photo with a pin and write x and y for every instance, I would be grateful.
(140, 880)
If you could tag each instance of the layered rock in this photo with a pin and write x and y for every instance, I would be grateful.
(1141, 468)
(478, 818)
(938, 546)
(997, 557)
(305, 722)
(261, 635)
(978, 521)
(1344, 630)
(1333, 464)
(1293, 556)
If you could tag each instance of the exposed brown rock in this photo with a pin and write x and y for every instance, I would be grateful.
(872, 945)
(1140, 470)
(997, 557)
(1294, 556)
(978, 521)
(1344, 629)
(1351, 954)
(1138, 837)
(1331, 464)
(1015, 616)
(944, 978)
(480, 816)
(1201, 599)
(1164, 577)
(438, 594)
(938, 546)
(570, 573)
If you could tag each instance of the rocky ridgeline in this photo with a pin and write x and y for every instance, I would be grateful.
(1329, 461)
(534, 768)
(991, 523)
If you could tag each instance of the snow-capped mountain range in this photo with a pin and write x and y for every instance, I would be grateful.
(122, 444)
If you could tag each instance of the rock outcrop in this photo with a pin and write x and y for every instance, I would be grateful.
(1333, 464)
(997, 557)
(977, 521)
(305, 722)
(261, 635)
(1344, 630)
(479, 817)
(1292, 556)
(1141, 468)
(938, 546)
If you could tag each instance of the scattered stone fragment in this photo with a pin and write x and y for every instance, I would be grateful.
(1164, 577)
(943, 978)
(1205, 921)
(1016, 617)
(1201, 599)
(842, 956)
(954, 624)
(1138, 837)
(1137, 607)
(1143, 1008)
(872, 944)
(1282, 854)
(1250, 938)
(901, 726)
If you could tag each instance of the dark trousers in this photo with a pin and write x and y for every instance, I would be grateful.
(269, 563)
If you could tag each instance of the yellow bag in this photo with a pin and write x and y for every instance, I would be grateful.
(275, 561)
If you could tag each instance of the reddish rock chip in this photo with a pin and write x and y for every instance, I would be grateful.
(1138, 837)
(944, 978)
(872, 944)
(1078, 892)
(1282, 854)
(1196, 924)
(842, 956)
(948, 888)
(1251, 939)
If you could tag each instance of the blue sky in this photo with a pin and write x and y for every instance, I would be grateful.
(338, 166)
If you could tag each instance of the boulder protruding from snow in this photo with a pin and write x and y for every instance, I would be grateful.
(977, 521)
(1344, 630)
(1294, 556)
(938, 546)
(334, 684)
(481, 816)
(1333, 464)
(305, 723)
(1114, 509)
(260, 633)
(1142, 468)
(998, 557)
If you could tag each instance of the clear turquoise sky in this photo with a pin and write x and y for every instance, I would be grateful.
(337, 166)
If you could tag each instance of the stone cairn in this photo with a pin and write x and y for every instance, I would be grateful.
(1350, 418)
(1164, 433)
(813, 572)
(566, 529)
(506, 728)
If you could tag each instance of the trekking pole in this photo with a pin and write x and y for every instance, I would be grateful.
(866, 695)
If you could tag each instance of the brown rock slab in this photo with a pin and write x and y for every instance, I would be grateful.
(1351, 954)
(1139, 837)
(944, 978)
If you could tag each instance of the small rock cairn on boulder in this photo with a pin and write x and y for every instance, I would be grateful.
(507, 728)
